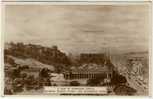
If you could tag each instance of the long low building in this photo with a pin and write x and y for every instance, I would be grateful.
(87, 73)
(93, 65)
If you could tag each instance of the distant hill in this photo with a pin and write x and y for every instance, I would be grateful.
(46, 55)
(137, 54)
(32, 63)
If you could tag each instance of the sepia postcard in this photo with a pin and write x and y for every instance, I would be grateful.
(94, 49)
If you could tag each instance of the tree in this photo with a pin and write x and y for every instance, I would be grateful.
(93, 82)
(24, 75)
(124, 90)
(17, 85)
(30, 82)
(44, 73)
(118, 79)
(74, 83)
(16, 73)
(8, 91)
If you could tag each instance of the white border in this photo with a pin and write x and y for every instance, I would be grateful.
(2, 50)
(79, 2)
(122, 3)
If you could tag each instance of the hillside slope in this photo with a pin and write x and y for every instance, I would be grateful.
(32, 63)
(122, 65)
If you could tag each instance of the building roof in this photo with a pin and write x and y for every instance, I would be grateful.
(98, 58)
(92, 68)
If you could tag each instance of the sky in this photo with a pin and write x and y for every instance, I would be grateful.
(80, 28)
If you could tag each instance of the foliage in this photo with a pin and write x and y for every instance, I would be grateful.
(118, 79)
(9, 60)
(44, 73)
(7, 91)
(124, 90)
(93, 82)
(15, 73)
(74, 83)
(24, 75)
(45, 55)
(17, 85)
(30, 82)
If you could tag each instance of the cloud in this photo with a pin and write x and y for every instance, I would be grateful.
(79, 28)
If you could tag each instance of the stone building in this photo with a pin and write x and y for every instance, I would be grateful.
(89, 73)
(92, 66)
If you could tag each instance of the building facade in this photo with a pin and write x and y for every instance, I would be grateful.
(92, 66)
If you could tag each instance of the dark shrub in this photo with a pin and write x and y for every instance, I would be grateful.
(30, 82)
(24, 75)
(15, 73)
(124, 90)
(93, 82)
(24, 67)
(8, 91)
(74, 83)
(44, 73)
(17, 85)
(118, 79)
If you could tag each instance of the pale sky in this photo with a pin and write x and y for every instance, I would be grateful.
(80, 28)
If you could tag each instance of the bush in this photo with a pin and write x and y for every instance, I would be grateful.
(118, 79)
(124, 90)
(24, 75)
(24, 67)
(93, 82)
(30, 82)
(74, 83)
(16, 73)
(44, 73)
(17, 85)
(7, 91)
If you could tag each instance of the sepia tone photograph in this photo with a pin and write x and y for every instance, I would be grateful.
(77, 49)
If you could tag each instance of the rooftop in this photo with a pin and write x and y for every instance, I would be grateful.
(86, 68)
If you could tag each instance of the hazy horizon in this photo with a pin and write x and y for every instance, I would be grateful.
(77, 29)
